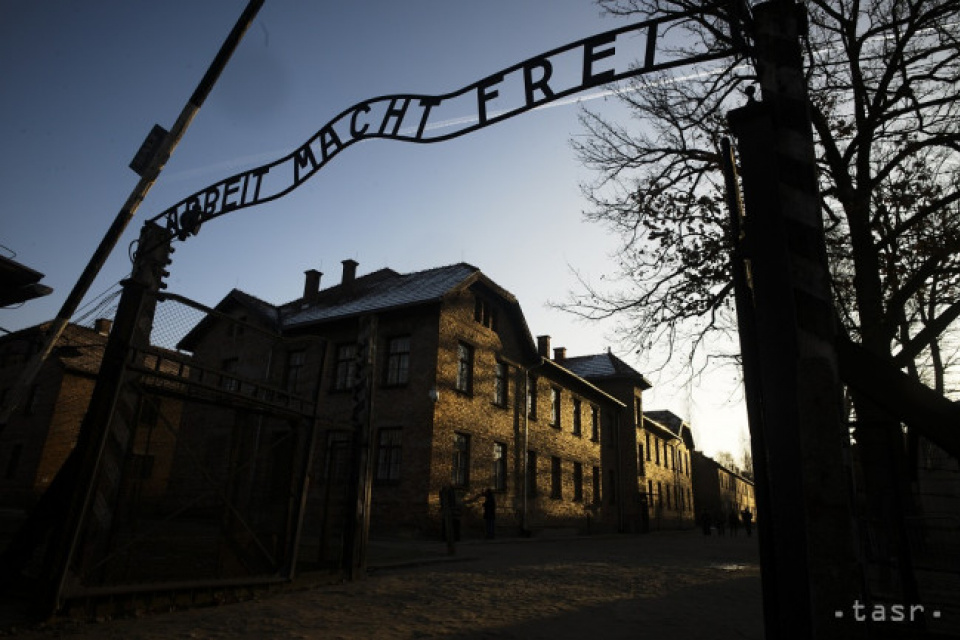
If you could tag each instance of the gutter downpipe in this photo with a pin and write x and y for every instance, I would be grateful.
(526, 441)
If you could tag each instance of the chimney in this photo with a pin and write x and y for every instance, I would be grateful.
(543, 346)
(311, 285)
(102, 326)
(560, 353)
(349, 272)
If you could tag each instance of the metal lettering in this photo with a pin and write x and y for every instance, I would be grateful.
(582, 59)
(529, 86)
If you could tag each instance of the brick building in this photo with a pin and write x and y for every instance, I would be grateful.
(462, 395)
(43, 430)
(718, 491)
(620, 460)
(667, 470)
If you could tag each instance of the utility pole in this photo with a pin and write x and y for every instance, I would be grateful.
(148, 163)
(805, 521)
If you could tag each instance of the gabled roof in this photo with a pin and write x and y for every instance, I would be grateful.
(379, 291)
(605, 366)
(576, 381)
(672, 423)
(267, 313)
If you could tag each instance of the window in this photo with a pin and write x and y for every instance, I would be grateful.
(531, 473)
(659, 493)
(295, 361)
(461, 460)
(485, 314)
(668, 496)
(596, 485)
(499, 466)
(346, 371)
(464, 368)
(647, 436)
(500, 391)
(532, 397)
(229, 382)
(388, 455)
(555, 407)
(649, 491)
(577, 482)
(656, 447)
(595, 423)
(556, 479)
(398, 360)
(641, 467)
(576, 417)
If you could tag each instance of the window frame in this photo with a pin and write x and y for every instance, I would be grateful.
(577, 481)
(293, 371)
(389, 466)
(533, 397)
(344, 366)
(501, 384)
(556, 407)
(577, 418)
(397, 366)
(460, 467)
(466, 358)
(556, 478)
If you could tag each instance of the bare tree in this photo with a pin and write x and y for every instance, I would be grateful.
(883, 77)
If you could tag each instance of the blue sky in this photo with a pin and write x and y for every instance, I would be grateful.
(81, 84)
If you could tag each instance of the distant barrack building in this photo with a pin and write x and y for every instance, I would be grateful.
(463, 397)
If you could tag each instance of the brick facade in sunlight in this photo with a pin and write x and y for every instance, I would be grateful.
(463, 396)
(454, 362)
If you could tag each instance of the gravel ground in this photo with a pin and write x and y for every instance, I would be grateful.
(662, 585)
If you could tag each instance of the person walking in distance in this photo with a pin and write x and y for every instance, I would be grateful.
(747, 517)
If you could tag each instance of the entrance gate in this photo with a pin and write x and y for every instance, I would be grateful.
(194, 467)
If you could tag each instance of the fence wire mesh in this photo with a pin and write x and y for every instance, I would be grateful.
(202, 471)
(917, 564)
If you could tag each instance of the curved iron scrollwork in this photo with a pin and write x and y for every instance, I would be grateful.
(598, 60)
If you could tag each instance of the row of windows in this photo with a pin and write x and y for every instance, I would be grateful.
(675, 496)
(460, 469)
(397, 372)
(556, 478)
(556, 411)
(671, 457)
(396, 369)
